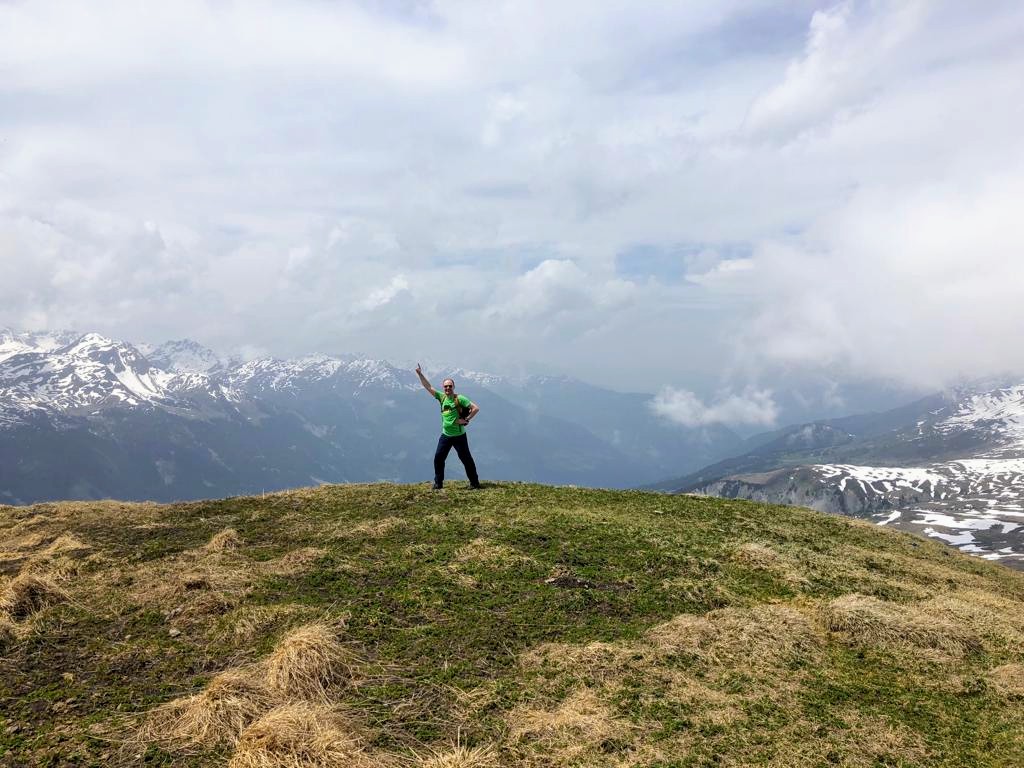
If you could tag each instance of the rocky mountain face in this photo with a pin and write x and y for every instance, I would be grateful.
(950, 467)
(83, 416)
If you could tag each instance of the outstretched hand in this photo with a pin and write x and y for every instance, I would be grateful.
(418, 369)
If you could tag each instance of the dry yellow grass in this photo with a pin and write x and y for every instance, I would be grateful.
(371, 529)
(61, 559)
(193, 586)
(881, 568)
(308, 662)
(761, 557)
(570, 733)
(494, 555)
(869, 621)
(8, 631)
(1008, 680)
(758, 636)
(756, 555)
(458, 756)
(296, 561)
(857, 740)
(27, 594)
(64, 544)
(995, 618)
(227, 540)
(303, 735)
(705, 705)
(217, 715)
(598, 660)
(481, 551)
(689, 661)
(19, 547)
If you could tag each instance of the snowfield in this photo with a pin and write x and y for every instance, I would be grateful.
(972, 504)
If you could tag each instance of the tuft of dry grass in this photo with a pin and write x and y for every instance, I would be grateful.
(308, 661)
(302, 735)
(193, 586)
(571, 733)
(869, 621)
(996, 618)
(27, 594)
(494, 555)
(599, 660)
(1008, 680)
(215, 716)
(761, 636)
(371, 529)
(756, 555)
(458, 757)
(296, 561)
(227, 540)
(8, 631)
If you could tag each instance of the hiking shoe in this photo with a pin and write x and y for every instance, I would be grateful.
(436, 487)
(475, 486)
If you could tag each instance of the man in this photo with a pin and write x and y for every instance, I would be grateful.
(453, 429)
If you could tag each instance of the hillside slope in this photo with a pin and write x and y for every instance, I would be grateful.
(949, 467)
(522, 625)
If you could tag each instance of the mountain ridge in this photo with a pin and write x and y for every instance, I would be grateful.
(947, 466)
(203, 425)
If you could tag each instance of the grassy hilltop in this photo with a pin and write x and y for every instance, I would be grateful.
(522, 625)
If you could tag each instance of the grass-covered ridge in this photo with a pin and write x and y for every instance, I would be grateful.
(521, 625)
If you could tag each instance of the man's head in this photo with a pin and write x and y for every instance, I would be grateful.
(448, 385)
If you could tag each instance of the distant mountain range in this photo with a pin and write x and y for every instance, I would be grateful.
(83, 416)
(950, 466)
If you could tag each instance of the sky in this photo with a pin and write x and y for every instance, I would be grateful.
(735, 205)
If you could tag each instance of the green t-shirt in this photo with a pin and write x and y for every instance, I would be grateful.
(450, 413)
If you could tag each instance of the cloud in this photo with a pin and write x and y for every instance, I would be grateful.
(917, 285)
(833, 76)
(751, 408)
(556, 288)
(381, 296)
(812, 187)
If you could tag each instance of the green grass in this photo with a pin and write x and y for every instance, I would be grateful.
(451, 603)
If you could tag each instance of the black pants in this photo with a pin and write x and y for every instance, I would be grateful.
(461, 445)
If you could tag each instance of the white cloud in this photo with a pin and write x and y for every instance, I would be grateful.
(555, 288)
(252, 173)
(918, 285)
(385, 295)
(753, 407)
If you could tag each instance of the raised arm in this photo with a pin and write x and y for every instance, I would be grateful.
(424, 382)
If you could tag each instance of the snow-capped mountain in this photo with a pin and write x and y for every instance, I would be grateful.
(964, 484)
(85, 416)
(89, 372)
(995, 417)
(15, 342)
(183, 356)
(273, 375)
